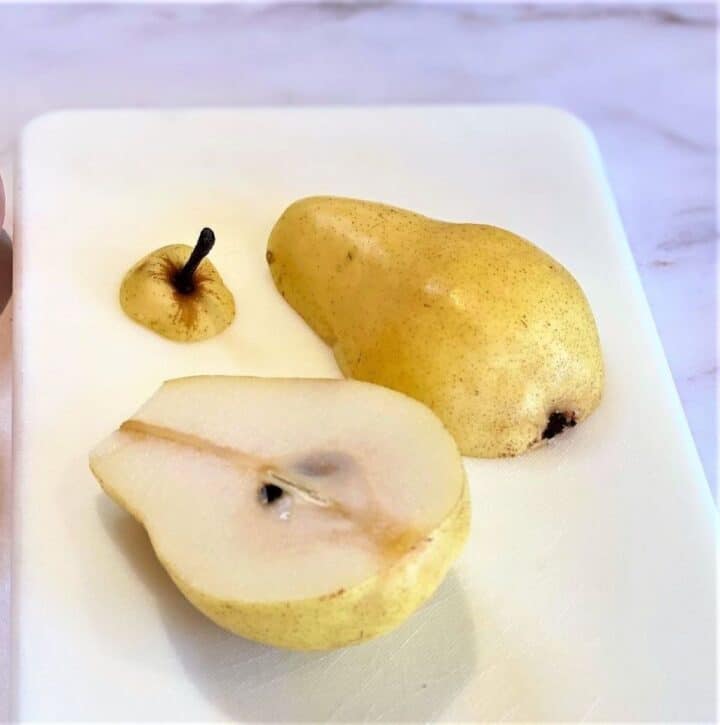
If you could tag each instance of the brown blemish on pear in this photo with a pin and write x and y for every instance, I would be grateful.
(557, 422)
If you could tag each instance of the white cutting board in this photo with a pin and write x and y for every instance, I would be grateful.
(586, 589)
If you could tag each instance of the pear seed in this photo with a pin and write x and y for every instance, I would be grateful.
(269, 493)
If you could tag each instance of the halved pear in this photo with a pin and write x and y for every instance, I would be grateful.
(307, 514)
(178, 293)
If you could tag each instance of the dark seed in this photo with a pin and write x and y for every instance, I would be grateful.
(269, 492)
(269, 256)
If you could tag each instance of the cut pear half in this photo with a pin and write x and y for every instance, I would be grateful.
(307, 514)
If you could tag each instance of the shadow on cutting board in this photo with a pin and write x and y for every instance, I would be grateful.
(410, 674)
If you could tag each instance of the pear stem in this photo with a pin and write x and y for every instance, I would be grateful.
(184, 281)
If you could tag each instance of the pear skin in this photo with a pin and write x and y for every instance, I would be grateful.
(485, 328)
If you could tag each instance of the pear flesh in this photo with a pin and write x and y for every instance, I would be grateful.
(476, 322)
(307, 514)
(178, 293)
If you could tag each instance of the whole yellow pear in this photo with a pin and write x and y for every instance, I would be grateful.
(476, 322)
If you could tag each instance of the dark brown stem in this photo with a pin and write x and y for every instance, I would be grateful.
(184, 281)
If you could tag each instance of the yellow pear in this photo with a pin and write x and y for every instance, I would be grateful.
(307, 514)
(178, 293)
(476, 322)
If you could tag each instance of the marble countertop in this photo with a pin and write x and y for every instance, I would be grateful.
(643, 78)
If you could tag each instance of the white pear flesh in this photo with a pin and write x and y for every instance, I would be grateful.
(373, 508)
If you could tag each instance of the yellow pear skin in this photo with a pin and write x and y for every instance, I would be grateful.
(485, 328)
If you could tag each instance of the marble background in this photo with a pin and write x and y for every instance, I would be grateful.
(642, 76)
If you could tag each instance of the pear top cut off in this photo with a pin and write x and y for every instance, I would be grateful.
(178, 293)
